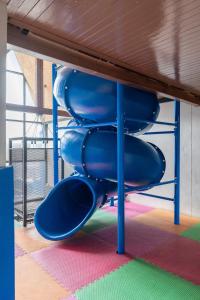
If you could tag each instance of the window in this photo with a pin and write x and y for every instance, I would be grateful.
(12, 63)
(47, 84)
(14, 88)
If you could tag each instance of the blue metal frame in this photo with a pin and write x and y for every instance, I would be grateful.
(89, 125)
(122, 189)
(55, 129)
(177, 163)
(120, 170)
(156, 196)
(130, 189)
(160, 132)
(112, 201)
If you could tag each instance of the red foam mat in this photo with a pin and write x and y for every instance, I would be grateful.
(180, 256)
(79, 261)
(140, 238)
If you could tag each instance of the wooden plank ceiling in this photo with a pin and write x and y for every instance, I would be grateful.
(157, 38)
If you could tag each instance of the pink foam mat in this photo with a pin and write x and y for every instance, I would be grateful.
(80, 261)
(140, 238)
(180, 256)
(131, 209)
(18, 251)
(72, 297)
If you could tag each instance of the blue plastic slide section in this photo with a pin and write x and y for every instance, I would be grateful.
(69, 206)
(93, 152)
(90, 98)
(7, 260)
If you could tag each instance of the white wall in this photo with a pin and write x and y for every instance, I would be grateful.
(190, 160)
(195, 161)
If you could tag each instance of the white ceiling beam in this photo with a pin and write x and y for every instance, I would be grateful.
(41, 47)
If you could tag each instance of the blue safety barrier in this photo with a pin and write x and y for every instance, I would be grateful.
(7, 261)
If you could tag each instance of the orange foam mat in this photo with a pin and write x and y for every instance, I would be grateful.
(33, 283)
(164, 219)
(29, 239)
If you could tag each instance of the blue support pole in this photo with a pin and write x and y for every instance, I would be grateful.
(120, 169)
(112, 201)
(7, 259)
(55, 129)
(177, 163)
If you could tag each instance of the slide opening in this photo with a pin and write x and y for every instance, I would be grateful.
(68, 206)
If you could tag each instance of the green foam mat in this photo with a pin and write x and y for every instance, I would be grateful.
(139, 280)
(193, 233)
(99, 220)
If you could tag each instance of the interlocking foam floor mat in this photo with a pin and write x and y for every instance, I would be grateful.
(70, 298)
(80, 261)
(29, 240)
(131, 209)
(34, 283)
(161, 260)
(164, 220)
(140, 238)
(180, 256)
(19, 251)
(99, 220)
(139, 281)
(193, 232)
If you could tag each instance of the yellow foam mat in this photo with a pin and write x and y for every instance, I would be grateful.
(33, 283)
(164, 220)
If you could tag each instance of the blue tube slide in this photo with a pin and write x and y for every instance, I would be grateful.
(93, 152)
(90, 98)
